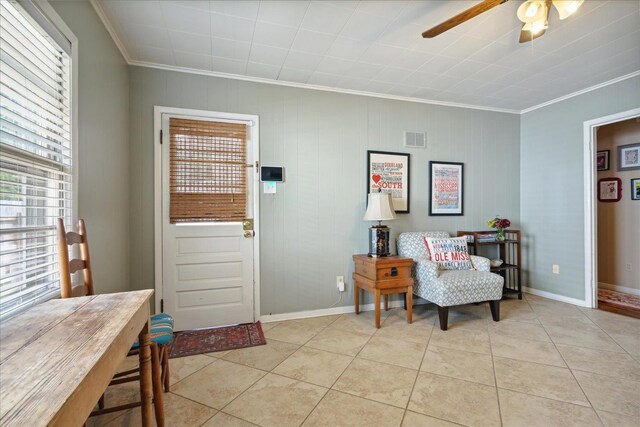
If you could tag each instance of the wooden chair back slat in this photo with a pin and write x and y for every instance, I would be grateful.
(69, 267)
(73, 238)
(76, 265)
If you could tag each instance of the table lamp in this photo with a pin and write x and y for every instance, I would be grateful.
(379, 209)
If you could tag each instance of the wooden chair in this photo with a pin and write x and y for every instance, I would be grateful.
(161, 324)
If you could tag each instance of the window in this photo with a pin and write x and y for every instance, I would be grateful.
(208, 171)
(35, 154)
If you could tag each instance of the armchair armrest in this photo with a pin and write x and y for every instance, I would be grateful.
(426, 270)
(480, 263)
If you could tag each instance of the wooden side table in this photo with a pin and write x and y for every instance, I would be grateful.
(383, 276)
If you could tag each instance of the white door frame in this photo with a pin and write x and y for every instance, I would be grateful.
(590, 207)
(158, 111)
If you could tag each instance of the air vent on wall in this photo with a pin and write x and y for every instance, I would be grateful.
(415, 139)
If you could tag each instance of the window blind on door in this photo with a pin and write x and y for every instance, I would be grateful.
(35, 158)
(207, 171)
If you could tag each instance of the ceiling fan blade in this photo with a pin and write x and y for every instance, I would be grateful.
(527, 36)
(462, 17)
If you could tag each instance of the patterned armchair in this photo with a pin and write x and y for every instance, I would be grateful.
(447, 288)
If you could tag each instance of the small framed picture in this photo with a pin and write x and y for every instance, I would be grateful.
(602, 160)
(635, 188)
(446, 189)
(609, 189)
(629, 157)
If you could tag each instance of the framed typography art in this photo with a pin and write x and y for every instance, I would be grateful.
(446, 190)
(389, 173)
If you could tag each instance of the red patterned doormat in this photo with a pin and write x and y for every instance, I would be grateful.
(188, 343)
(619, 300)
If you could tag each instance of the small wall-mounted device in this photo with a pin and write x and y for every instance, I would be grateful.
(271, 174)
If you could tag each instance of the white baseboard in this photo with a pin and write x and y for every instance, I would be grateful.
(330, 311)
(399, 303)
(617, 288)
(556, 297)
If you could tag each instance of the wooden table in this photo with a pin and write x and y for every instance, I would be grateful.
(383, 276)
(57, 358)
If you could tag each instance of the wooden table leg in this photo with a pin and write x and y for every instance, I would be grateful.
(386, 303)
(377, 293)
(409, 300)
(356, 296)
(158, 404)
(146, 391)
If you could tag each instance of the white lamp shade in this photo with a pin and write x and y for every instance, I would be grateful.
(379, 208)
(567, 7)
(531, 11)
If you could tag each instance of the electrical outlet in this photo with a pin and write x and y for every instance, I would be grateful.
(340, 283)
(555, 269)
(627, 266)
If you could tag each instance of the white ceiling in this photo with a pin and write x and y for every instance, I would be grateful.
(376, 46)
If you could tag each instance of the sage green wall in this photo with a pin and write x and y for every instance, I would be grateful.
(103, 145)
(313, 225)
(552, 185)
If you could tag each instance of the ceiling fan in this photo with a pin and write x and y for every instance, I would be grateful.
(533, 14)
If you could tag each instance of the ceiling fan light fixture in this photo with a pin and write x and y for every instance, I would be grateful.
(532, 11)
(567, 8)
(536, 26)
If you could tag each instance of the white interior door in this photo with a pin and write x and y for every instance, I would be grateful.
(207, 265)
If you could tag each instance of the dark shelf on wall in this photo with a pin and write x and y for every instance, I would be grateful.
(510, 254)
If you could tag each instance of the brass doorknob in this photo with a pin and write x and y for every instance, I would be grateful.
(248, 234)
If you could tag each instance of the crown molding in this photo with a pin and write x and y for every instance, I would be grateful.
(316, 87)
(582, 91)
(105, 21)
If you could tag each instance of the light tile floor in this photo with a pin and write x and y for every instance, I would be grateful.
(544, 364)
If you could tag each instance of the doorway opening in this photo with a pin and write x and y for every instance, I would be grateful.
(599, 223)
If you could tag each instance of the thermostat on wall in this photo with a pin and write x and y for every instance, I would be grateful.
(271, 174)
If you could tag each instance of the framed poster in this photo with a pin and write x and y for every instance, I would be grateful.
(635, 188)
(609, 189)
(602, 160)
(389, 173)
(629, 157)
(446, 190)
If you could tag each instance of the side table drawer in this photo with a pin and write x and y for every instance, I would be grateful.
(366, 282)
(383, 270)
(393, 272)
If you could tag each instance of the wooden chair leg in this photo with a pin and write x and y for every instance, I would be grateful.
(405, 300)
(443, 314)
(156, 380)
(165, 367)
(495, 310)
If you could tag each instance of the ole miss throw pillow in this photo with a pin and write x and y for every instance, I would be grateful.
(450, 254)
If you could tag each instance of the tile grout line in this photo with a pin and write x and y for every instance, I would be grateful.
(415, 381)
(273, 373)
(340, 376)
(495, 377)
(555, 345)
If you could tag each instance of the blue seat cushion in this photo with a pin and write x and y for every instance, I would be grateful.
(161, 334)
(161, 319)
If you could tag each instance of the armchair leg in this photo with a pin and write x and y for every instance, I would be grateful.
(443, 314)
(495, 310)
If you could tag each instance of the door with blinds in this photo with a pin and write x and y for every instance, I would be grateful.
(207, 221)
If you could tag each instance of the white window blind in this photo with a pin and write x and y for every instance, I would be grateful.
(35, 157)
